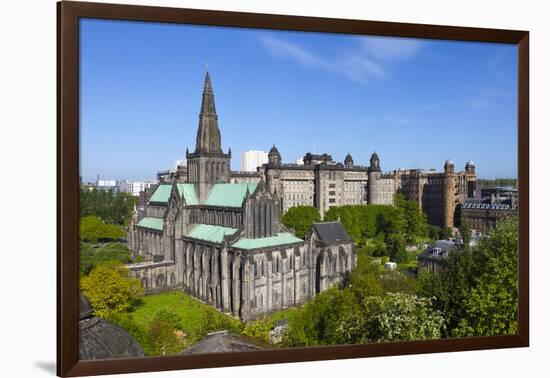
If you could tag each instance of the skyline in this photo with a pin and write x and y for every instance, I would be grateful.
(141, 93)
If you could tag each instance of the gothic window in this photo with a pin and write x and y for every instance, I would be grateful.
(262, 271)
(172, 279)
(160, 280)
(144, 283)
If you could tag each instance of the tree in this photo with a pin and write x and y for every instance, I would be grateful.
(492, 302)
(300, 218)
(93, 229)
(163, 339)
(414, 221)
(465, 233)
(446, 233)
(112, 207)
(395, 247)
(90, 257)
(478, 289)
(110, 289)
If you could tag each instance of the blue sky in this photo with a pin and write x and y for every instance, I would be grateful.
(416, 102)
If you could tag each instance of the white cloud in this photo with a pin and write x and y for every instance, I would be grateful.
(283, 49)
(360, 64)
(396, 119)
(391, 48)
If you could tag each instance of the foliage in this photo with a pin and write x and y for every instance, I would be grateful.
(213, 322)
(300, 218)
(446, 233)
(364, 222)
(93, 229)
(258, 329)
(112, 207)
(395, 247)
(415, 223)
(393, 281)
(484, 183)
(139, 333)
(91, 257)
(110, 289)
(194, 318)
(478, 290)
(465, 233)
(350, 317)
(162, 334)
(367, 309)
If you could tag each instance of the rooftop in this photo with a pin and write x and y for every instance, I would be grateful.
(281, 238)
(152, 223)
(331, 231)
(223, 341)
(161, 193)
(229, 195)
(210, 233)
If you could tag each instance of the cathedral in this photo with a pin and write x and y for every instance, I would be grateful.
(222, 242)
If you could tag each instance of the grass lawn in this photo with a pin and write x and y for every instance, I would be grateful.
(190, 311)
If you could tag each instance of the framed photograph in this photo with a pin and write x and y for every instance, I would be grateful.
(239, 188)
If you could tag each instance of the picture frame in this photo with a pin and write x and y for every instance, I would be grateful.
(69, 13)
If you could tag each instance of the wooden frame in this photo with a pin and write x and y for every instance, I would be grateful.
(68, 183)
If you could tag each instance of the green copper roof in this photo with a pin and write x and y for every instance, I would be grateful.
(279, 239)
(210, 233)
(187, 191)
(153, 223)
(161, 194)
(228, 195)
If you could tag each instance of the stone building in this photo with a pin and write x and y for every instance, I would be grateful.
(324, 183)
(433, 258)
(223, 243)
(482, 214)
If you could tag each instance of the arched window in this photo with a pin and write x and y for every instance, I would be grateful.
(144, 283)
(161, 280)
(172, 279)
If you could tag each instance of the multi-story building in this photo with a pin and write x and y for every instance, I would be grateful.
(133, 187)
(223, 242)
(251, 160)
(102, 184)
(324, 183)
(482, 214)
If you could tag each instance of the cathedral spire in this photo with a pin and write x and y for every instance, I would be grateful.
(208, 134)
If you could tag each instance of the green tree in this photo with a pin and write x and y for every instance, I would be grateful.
(93, 229)
(162, 334)
(446, 233)
(112, 207)
(110, 289)
(465, 233)
(300, 218)
(258, 329)
(395, 247)
(414, 221)
(91, 257)
(478, 289)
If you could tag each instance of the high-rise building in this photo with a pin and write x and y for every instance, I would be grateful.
(133, 187)
(251, 160)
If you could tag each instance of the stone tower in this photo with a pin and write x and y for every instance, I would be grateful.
(374, 179)
(449, 194)
(348, 161)
(208, 165)
(471, 178)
